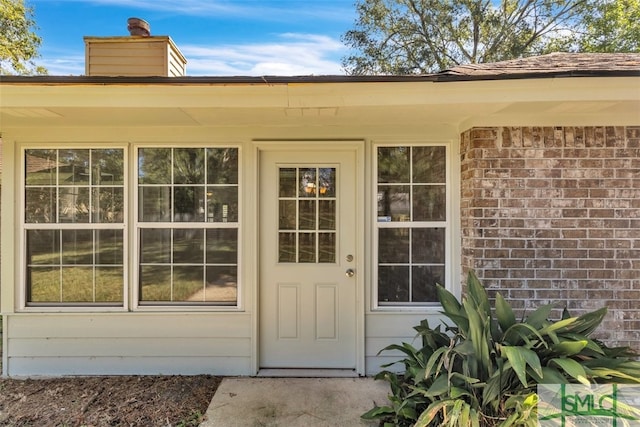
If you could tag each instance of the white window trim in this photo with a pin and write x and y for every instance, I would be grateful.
(136, 226)
(24, 226)
(447, 224)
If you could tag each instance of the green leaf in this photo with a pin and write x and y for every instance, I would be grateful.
(588, 322)
(519, 357)
(377, 412)
(539, 316)
(568, 348)
(478, 294)
(504, 313)
(439, 387)
(572, 368)
(552, 376)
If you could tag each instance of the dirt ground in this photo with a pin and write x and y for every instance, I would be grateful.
(106, 401)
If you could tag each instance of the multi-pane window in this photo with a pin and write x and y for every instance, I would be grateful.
(307, 215)
(74, 208)
(187, 225)
(411, 226)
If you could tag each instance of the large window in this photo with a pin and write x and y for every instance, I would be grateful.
(411, 226)
(187, 226)
(74, 226)
(183, 249)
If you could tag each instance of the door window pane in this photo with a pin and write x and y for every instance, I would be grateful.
(307, 205)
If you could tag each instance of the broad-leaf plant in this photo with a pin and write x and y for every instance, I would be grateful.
(482, 368)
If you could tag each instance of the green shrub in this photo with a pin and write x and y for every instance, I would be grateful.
(483, 369)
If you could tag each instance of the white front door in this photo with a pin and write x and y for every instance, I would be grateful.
(308, 259)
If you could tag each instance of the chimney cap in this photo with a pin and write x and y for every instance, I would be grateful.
(138, 27)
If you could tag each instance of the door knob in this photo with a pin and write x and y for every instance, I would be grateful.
(350, 272)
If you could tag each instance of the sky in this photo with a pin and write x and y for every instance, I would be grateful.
(218, 37)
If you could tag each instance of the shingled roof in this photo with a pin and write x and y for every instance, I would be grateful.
(556, 64)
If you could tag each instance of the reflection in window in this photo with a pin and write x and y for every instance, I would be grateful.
(307, 215)
(411, 223)
(188, 226)
(73, 217)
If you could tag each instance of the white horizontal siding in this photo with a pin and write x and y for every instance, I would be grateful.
(128, 343)
(383, 329)
(159, 365)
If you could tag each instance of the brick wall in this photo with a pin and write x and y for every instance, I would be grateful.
(552, 215)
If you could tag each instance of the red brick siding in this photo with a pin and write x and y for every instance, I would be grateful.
(552, 215)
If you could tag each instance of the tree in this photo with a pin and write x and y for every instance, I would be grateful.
(423, 36)
(612, 26)
(18, 41)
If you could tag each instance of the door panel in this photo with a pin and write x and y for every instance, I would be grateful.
(307, 244)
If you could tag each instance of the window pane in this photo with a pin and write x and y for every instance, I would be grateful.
(222, 246)
(109, 283)
(222, 165)
(43, 247)
(40, 205)
(107, 167)
(287, 182)
(393, 284)
(222, 204)
(73, 167)
(73, 203)
(154, 204)
(327, 247)
(188, 246)
(429, 164)
(188, 283)
(429, 203)
(41, 167)
(327, 182)
(222, 284)
(43, 284)
(108, 205)
(393, 164)
(327, 219)
(424, 280)
(155, 245)
(77, 247)
(427, 245)
(189, 204)
(393, 203)
(109, 247)
(77, 284)
(307, 215)
(307, 247)
(155, 283)
(287, 215)
(188, 166)
(286, 247)
(154, 166)
(307, 182)
(393, 245)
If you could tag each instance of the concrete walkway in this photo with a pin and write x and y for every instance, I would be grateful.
(294, 402)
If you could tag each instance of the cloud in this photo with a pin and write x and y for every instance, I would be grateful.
(294, 54)
(289, 54)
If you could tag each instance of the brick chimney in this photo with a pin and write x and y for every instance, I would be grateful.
(138, 55)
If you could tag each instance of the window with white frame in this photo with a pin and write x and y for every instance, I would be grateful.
(74, 209)
(412, 227)
(187, 226)
(75, 223)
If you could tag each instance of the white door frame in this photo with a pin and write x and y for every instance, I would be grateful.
(361, 265)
